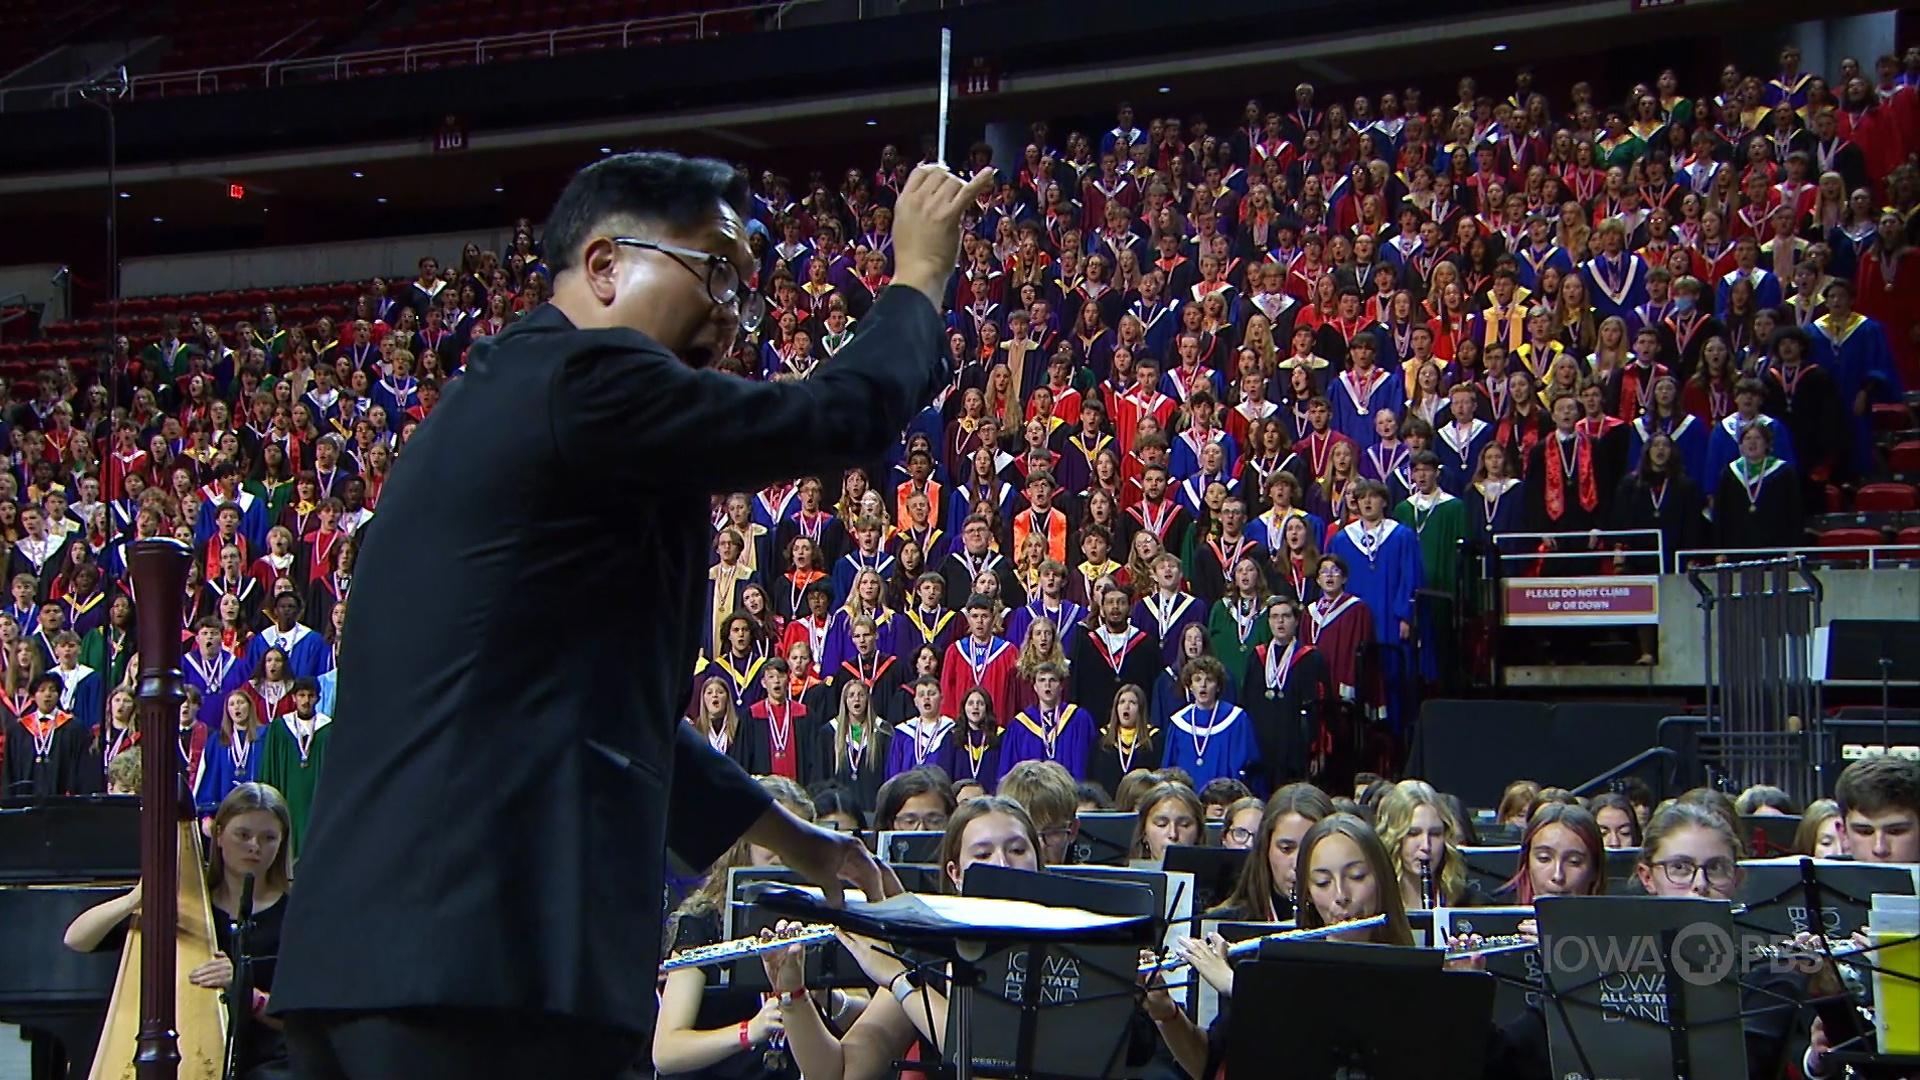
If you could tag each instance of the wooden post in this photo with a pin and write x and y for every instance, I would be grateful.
(158, 569)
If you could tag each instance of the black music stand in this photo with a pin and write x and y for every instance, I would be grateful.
(933, 925)
(1769, 836)
(1105, 836)
(1315, 985)
(909, 847)
(1883, 651)
(1215, 871)
(1641, 987)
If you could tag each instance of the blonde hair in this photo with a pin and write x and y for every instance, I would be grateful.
(711, 895)
(1393, 819)
(872, 723)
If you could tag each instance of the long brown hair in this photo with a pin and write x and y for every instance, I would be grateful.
(1252, 895)
(1179, 793)
(1397, 930)
(246, 799)
(1581, 824)
(712, 893)
(973, 809)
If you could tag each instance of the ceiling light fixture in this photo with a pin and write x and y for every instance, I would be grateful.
(1499, 46)
(358, 175)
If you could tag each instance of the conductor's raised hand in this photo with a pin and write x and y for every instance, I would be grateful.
(926, 227)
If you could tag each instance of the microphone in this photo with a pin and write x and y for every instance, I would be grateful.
(246, 901)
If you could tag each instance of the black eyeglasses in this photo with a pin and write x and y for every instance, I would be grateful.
(722, 278)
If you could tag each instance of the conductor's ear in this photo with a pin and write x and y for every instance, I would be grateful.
(600, 264)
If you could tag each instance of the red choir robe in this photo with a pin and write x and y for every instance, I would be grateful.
(1339, 630)
(968, 664)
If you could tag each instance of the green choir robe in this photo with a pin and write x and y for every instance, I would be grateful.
(107, 651)
(1441, 524)
(282, 768)
(1223, 632)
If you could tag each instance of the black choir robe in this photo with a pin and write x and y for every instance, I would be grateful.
(1288, 717)
(864, 782)
(1096, 674)
(1671, 503)
(1749, 516)
(756, 740)
(69, 768)
(957, 568)
(1574, 517)
(437, 786)
(1107, 765)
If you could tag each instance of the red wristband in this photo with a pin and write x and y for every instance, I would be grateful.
(259, 1002)
(746, 1041)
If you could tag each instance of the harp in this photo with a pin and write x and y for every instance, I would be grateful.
(158, 1025)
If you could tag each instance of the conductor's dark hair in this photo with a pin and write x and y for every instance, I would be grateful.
(655, 187)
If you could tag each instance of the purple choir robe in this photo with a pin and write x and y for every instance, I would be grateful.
(917, 746)
(214, 681)
(1025, 740)
(1166, 622)
(1067, 618)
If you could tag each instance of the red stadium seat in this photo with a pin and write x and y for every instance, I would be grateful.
(1876, 498)
(1892, 416)
(1908, 537)
(1904, 458)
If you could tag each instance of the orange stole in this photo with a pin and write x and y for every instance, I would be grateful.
(1056, 532)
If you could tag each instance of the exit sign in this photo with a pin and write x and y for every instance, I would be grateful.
(236, 191)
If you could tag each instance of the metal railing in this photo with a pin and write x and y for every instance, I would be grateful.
(1589, 545)
(407, 59)
(1874, 556)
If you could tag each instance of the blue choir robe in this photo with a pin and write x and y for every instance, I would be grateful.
(1191, 493)
(1065, 737)
(1766, 288)
(1186, 452)
(81, 693)
(1216, 743)
(771, 512)
(1723, 446)
(1689, 435)
(1269, 529)
(1459, 452)
(253, 518)
(1385, 575)
(848, 567)
(306, 651)
(1858, 357)
(839, 647)
(1169, 696)
(329, 685)
(1532, 263)
(1615, 286)
(215, 680)
(1000, 495)
(1355, 403)
(1067, 618)
(1162, 321)
(926, 422)
(918, 744)
(396, 396)
(223, 768)
(1166, 619)
(1494, 508)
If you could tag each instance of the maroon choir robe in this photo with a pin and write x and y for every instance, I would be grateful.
(968, 664)
(1339, 630)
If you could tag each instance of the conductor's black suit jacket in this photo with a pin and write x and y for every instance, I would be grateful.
(508, 764)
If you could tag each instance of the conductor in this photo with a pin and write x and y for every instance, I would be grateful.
(481, 887)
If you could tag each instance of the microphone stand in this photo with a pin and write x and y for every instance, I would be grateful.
(239, 992)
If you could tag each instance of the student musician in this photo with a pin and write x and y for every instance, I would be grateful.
(988, 830)
(1420, 830)
(1127, 741)
(1209, 737)
(1561, 854)
(1614, 816)
(976, 757)
(1287, 690)
(854, 745)
(1267, 889)
(251, 832)
(1049, 730)
(719, 1031)
(1169, 814)
(918, 800)
(926, 738)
